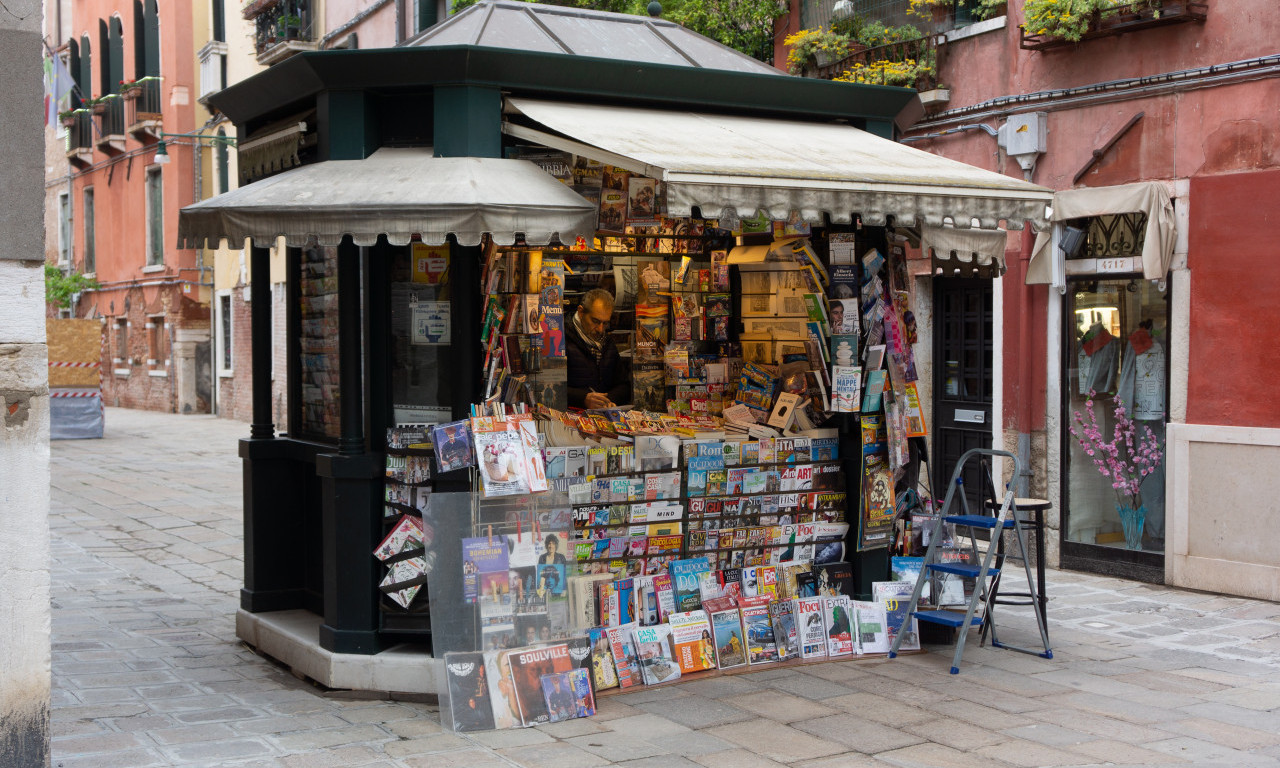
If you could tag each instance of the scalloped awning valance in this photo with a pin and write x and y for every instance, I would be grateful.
(398, 193)
(746, 164)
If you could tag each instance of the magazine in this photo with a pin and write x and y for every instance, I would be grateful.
(453, 446)
(726, 625)
(691, 636)
(656, 654)
(761, 646)
(873, 632)
(624, 656)
(782, 616)
(501, 457)
(685, 577)
(603, 673)
(839, 626)
(811, 628)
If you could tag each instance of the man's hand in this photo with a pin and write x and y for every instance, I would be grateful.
(598, 400)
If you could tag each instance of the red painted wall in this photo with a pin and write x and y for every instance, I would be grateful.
(1026, 310)
(1234, 260)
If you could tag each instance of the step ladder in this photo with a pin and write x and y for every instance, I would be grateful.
(1007, 518)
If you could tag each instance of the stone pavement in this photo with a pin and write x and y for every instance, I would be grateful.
(148, 672)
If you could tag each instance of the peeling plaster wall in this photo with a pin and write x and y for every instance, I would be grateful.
(24, 399)
(24, 515)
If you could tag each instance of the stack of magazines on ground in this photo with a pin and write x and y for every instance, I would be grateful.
(658, 628)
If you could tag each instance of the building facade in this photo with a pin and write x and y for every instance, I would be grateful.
(134, 94)
(1157, 306)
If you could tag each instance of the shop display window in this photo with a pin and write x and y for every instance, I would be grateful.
(1117, 355)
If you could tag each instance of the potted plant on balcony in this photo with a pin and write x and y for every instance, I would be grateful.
(67, 117)
(130, 89)
(290, 26)
(815, 48)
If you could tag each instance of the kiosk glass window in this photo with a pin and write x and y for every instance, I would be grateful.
(422, 380)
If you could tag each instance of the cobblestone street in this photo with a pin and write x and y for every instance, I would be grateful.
(147, 566)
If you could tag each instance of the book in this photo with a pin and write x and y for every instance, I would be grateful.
(470, 706)
(691, 637)
(528, 665)
(726, 627)
(785, 634)
(624, 656)
(685, 577)
(839, 626)
(656, 654)
(846, 386)
(873, 631)
(810, 627)
(603, 673)
(761, 646)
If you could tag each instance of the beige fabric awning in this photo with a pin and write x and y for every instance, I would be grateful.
(748, 164)
(1148, 197)
(977, 247)
(398, 193)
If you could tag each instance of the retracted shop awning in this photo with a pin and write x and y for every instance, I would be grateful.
(398, 193)
(718, 162)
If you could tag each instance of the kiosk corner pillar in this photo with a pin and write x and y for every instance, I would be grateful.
(468, 121)
(351, 518)
(272, 582)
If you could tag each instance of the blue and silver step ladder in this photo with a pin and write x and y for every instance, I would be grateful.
(1008, 518)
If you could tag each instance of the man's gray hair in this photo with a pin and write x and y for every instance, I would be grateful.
(597, 295)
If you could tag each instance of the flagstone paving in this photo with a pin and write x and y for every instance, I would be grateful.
(148, 672)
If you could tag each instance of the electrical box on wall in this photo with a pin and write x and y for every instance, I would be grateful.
(1024, 137)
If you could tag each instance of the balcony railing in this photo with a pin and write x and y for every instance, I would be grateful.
(1122, 19)
(283, 29)
(144, 117)
(871, 64)
(111, 133)
(80, 132)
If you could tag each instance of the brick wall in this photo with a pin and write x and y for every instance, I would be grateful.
(236, 392)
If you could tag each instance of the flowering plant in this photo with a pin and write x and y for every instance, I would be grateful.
(1069, 19)
(1126, 459)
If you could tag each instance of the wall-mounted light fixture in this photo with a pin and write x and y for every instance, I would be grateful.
(162, 150)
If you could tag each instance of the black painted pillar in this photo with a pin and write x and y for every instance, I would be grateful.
(272, 581)
(351, 483)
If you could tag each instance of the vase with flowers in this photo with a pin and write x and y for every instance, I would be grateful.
(1126, 457)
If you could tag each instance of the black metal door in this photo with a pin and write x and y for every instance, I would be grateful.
(963, 378)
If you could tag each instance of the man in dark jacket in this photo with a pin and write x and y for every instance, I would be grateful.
(597, 375)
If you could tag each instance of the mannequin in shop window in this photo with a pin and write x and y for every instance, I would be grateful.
(1097, 359)
(1142, 392)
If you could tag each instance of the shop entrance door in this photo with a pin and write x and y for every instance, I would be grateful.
(963, 376)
